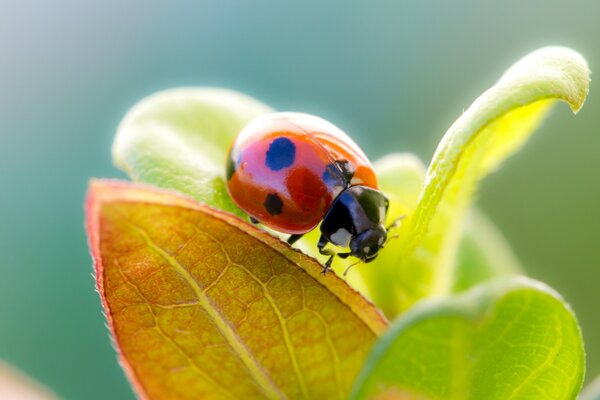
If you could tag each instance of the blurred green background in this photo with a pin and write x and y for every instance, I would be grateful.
(393, 74)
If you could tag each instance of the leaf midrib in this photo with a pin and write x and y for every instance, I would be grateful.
(193, 363)
(276, 310)
(254, 368)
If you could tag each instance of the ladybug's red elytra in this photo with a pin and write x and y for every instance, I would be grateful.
(292, 171)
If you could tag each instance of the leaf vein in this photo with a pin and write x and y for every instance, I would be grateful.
(255, 369)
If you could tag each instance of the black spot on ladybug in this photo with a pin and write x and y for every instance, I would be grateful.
(273, 204)
(339, 173)
(281, 154)
(230, 168)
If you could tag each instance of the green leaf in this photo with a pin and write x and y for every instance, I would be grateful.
(497, 124)
(592, 391)
(483, 253)
(178, 139)
(511, 339)
(204, 305)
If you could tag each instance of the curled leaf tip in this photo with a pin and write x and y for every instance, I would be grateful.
(496, 125)
(562, 67)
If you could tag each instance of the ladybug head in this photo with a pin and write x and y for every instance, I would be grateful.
(356, 219)
(366, 245)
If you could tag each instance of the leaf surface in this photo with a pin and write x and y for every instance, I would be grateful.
(511, 339)
(203, 305)
(496, 125)
(178, 139)
(483, 253)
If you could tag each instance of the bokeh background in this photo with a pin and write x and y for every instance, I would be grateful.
(393, 74)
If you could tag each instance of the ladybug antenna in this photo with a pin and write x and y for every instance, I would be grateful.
(350, 266)
(390, 238)
(395, 223)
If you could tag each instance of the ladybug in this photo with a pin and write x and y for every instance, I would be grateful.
(292, 171)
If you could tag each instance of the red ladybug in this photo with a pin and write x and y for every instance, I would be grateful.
(291, 171)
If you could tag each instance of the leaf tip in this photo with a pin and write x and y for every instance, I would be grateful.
(577, 67)
(568, 68)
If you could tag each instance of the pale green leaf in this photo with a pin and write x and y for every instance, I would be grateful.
(178, 139)
(511, 339)
(497, 124)
(483, 253)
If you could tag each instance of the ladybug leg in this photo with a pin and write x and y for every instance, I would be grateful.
(321, 246)
(294, 238)
(327, 265)
(326, 252)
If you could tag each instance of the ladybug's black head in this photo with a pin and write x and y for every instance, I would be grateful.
(366, 244)
(356, 219)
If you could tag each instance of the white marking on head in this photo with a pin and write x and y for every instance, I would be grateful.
(341, 237)
(366, 249)
(380, 241)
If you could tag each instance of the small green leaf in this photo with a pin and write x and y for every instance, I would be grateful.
(178, 139)
(511, 339)
(497, 124)
(592, 391)
(483, 253)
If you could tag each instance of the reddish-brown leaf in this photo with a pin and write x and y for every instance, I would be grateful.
(204, 305)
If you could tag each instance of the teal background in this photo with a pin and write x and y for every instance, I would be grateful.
(393, 74)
